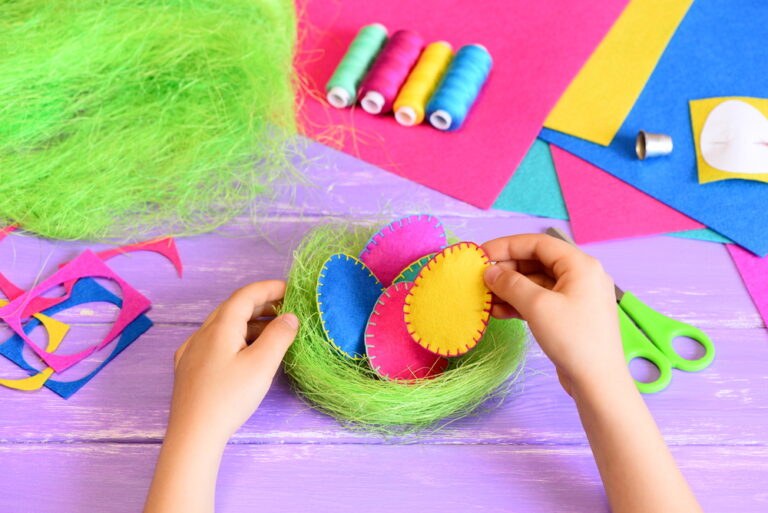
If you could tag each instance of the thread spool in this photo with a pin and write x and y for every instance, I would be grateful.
(458, 90)
(648, 145)
(341, 89)
(389, 71)
(412, 100)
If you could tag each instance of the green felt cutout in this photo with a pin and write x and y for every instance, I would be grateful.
(410, 272)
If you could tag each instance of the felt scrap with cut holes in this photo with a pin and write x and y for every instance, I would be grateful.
(400, 243)
(409, 273)
(754, 273)
(698, 63)
(56, 331)
(165, 247)
(390, 348)
(87, 264)
(603, 207)
(447, 309)
(731, 137)
(346, 293)
(85, 290)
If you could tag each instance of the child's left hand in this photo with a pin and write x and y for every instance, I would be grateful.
(220, 379)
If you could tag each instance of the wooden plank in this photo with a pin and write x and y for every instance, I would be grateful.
(446, 478)
(691, 280)
(726, 403)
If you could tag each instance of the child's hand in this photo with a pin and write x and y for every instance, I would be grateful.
(220, 380)
(568, 301)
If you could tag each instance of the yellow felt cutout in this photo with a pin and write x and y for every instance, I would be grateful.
(700, 113)
(448, 307)
(56, 332)
(603, 92)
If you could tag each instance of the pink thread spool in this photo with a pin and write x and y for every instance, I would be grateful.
(389, 71)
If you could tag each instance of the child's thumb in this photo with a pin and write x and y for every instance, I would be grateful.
(515, 288)
(274, 341)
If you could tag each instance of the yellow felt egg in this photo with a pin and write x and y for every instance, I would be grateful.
(448, 307)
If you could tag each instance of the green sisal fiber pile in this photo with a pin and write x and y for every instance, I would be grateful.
(121, 118)
(352, 393)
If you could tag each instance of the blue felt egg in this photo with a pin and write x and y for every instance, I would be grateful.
(347, 291)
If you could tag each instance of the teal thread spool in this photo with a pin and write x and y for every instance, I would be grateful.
(341, 89)
(458, 90)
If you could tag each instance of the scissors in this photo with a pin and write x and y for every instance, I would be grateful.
(648, 334)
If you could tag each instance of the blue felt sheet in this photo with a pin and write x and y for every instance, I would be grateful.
(86, 290)
(720, 49)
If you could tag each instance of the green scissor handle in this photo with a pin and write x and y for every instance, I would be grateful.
(637, 345)
(662, 330)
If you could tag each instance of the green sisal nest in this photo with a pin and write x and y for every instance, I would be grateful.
(121, 118)
(351, 392)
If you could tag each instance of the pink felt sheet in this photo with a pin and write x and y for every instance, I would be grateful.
(602, 207)
(86, 264)
(754, 273)
(537, 48)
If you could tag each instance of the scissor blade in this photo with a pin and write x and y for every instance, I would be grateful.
(560, 234)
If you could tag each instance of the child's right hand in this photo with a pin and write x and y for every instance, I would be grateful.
(568, 301)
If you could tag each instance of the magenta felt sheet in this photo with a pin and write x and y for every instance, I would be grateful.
(537, 48)
(754, 273)
(602, 207)
(86, 264)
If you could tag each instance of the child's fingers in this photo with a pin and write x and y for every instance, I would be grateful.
(270, 347)
(250, 301)
(555, 254)
(504, 311)
(256, 328)
(523, 294)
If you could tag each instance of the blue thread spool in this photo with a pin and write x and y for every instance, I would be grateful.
(458, 90)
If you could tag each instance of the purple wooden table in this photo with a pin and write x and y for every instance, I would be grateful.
(96, 451)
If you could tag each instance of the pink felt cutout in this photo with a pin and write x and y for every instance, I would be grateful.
(602, 207)
(8, 229)
(754, 273)
(165, 247)
(390, 348)
(537, 49)
(401, 243)
(86, 264)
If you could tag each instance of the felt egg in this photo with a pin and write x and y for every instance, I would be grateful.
(447, 309)
(346, 293)
(401, 243)
(391, 350)
(409, 273)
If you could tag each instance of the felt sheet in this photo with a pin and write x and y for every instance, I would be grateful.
(84, 291)
(733, 208)
(704, 234)
(346, 293)
(754, 273)
(56, 330)
(392, 352)
(87, 264)
(409, 273)
(537, 47)
(400, 243)
(731, 137)
(165, 247)
(603, 207)
(447, 308)
(598, 100)
(534, 188)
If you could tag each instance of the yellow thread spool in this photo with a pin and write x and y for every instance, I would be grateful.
(421, 83)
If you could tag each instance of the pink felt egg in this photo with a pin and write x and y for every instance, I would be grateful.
(390, 348)
(401, 243)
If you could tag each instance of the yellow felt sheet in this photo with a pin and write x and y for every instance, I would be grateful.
(56, 332)
(601, 95)
(700, 110)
